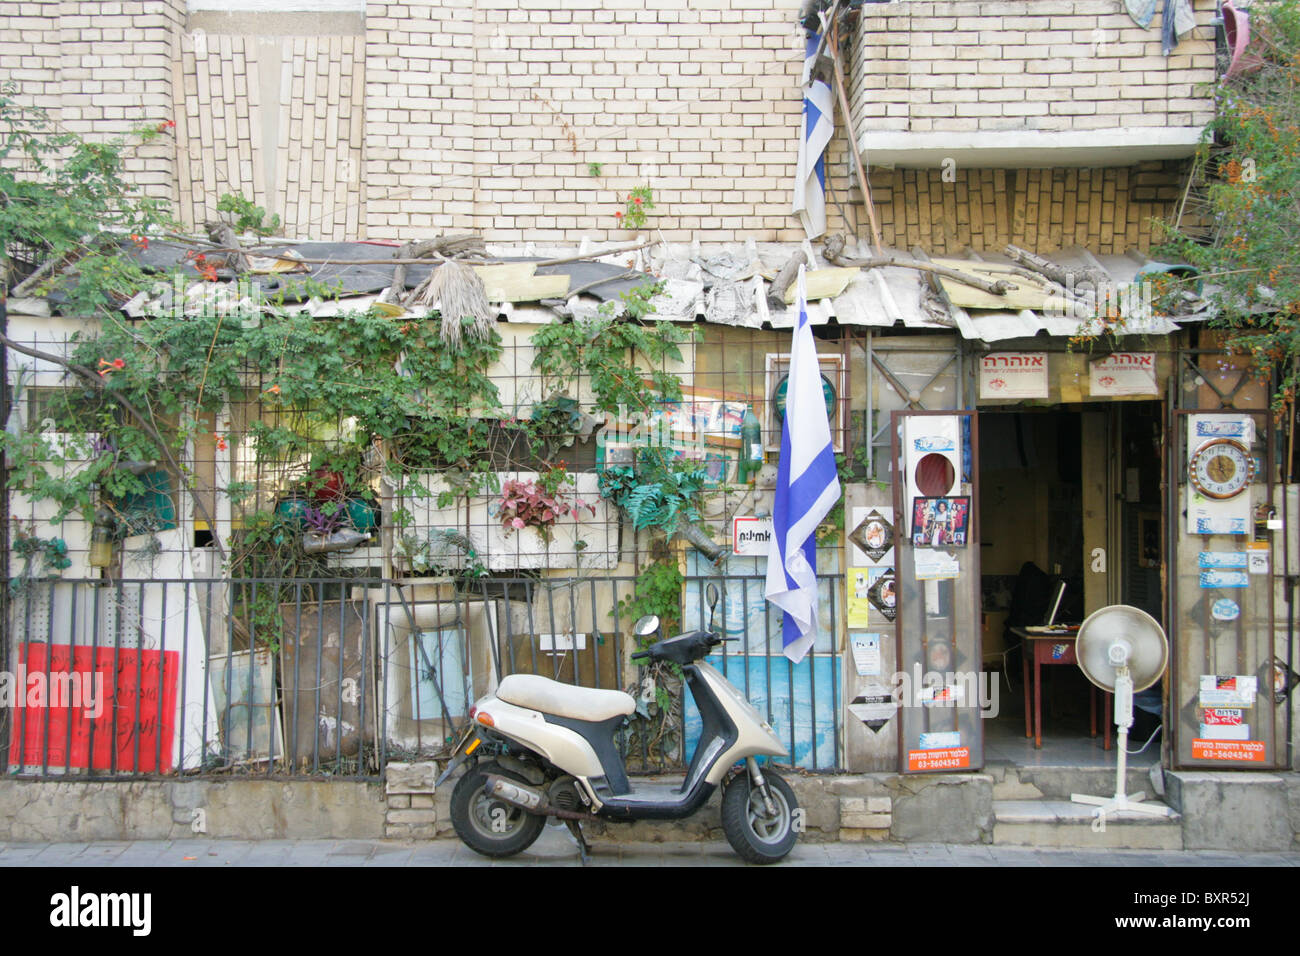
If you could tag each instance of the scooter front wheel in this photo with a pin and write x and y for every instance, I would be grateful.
(486, 824)
(758, 834)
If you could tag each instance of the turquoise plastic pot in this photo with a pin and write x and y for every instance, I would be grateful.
(361, 514)
(293, 511)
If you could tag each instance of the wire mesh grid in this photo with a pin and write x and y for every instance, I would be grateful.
(414, 528)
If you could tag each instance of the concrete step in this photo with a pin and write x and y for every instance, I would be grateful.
(1058, 783)
(1063, 823)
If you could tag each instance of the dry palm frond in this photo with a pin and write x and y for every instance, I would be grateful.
(457, 292)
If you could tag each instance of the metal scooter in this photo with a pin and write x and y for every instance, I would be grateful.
(539, 748)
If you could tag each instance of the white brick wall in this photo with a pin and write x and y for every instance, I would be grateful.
(1025, 65)
(487, 116)
(699, 100)
(100, 69)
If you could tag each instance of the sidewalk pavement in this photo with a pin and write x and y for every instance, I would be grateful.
(556, 848)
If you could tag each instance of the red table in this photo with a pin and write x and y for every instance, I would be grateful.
(1055, 647)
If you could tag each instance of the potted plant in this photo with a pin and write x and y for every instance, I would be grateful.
(325, 531)
(536, 503)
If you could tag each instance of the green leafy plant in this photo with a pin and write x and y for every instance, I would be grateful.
(595, 169)
(605, 352)
(29, 547)
(654, 739)
(1252, 153)
(658, 591)
(657, 492)
(68, 200)
(534, 504)
(395, 381)
(249, 217)
(633, 214)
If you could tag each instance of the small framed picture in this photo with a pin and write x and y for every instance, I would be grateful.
(619, 455)
(701, 415)
(778, 378)
(940, 522)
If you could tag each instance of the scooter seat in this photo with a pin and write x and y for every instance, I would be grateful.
(564, 700)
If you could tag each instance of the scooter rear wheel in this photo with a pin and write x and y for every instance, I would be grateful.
(754, 833)
(488, 825)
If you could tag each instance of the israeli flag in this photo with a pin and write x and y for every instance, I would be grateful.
(818, 127)
(807, 487)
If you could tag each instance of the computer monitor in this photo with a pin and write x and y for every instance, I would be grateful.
(1056, 604)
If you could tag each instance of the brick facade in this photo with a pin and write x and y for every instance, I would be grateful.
(1107, 211)
(1054, 65)
(488, 119)
(99, 70)
(428, 117)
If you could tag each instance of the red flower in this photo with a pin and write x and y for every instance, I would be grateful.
(619, 214)
(637, 200)
(221, 442)
(141, 242)
(165, 125)
(105, 366)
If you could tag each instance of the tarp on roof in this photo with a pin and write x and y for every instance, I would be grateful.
(726, 285)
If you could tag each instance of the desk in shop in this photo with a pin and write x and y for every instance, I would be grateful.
(1048, 648)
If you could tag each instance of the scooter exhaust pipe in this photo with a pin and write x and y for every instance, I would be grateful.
(526, 798)
(515, 794)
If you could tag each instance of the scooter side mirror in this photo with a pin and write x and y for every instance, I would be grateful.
(646, 626)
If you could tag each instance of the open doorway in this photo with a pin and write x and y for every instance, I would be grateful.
(1069, 522)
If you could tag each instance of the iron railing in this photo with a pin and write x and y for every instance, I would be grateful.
(264, 676)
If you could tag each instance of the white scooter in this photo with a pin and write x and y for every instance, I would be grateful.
(540, 748)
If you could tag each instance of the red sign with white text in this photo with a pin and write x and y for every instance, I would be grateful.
(118, 706)
(1237, 751)
(947, 758)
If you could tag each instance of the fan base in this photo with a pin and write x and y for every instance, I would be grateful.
(1121, 802)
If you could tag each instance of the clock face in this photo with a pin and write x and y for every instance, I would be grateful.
(1221, 468)
(828, 392)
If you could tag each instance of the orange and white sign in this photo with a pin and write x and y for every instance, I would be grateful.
(948, 758)
(1236, 751)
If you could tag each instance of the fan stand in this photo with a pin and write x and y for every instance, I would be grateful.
(1123, 721)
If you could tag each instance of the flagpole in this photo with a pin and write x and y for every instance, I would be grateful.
(834, 47)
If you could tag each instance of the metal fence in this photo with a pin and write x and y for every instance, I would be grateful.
(338, 676)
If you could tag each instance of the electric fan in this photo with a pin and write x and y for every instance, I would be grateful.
(1122, 650)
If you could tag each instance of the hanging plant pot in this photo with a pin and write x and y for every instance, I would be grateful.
(343, 540)
(293, 511)
(325, 485)
(361, 514)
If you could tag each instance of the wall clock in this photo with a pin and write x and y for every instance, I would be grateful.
(1221, 468)
(828, 393)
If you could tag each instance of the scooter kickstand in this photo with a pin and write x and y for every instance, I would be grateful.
(576, 829)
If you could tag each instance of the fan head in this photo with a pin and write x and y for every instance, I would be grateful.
(1119, 635)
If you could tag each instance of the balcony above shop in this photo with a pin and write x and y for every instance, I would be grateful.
(1027, 83)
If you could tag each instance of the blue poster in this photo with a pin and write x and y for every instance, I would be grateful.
(743, 610)
(761, 678)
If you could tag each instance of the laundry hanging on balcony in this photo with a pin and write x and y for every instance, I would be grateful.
(1177, 21)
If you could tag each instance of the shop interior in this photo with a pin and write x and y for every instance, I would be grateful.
(1056, 484)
